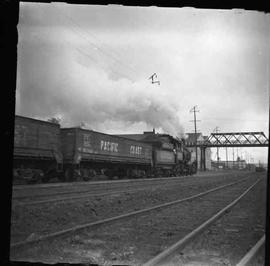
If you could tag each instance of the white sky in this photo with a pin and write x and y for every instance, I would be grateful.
(91, 64)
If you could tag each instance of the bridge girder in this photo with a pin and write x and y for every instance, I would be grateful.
(234, 139)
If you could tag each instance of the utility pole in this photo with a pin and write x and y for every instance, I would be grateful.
(233, 156)
(195, 126)
(247, 156)
(216, 130)
(227, 158)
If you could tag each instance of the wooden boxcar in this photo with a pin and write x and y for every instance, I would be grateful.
(89, 153)
(37, 151)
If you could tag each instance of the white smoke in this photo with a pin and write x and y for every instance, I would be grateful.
(60, 84)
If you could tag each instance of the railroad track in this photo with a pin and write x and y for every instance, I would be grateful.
(250, 256)
(170, 255)
(43, 195)
(225, 241)
(83, 183)
(48, 191)
(40, 197)
(23, 248)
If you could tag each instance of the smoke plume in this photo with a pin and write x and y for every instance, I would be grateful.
(62, 84)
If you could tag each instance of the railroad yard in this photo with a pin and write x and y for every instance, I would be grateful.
(106, 167)
(138, 221)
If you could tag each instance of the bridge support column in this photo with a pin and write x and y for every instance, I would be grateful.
(202, 161)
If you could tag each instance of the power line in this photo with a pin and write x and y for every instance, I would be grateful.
(97, 63)
(79, 50)
(89, 56)
(129, 77)
(236, 119)
(93, 44)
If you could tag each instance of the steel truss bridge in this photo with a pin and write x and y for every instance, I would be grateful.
(239, 139)
(233, 139)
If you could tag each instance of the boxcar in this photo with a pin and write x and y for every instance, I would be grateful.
(37, 151)
(88, 153)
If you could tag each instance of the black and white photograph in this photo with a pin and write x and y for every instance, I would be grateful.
(141, 135)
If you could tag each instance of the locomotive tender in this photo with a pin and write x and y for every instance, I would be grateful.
(89, 153)
(43, 150)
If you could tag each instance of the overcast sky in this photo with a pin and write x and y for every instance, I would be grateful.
(91, 64)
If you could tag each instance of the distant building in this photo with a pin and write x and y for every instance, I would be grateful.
(191, 140)
(238, 164)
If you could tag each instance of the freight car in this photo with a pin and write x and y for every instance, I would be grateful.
(88, 154)
(43, 150)
(37, 155)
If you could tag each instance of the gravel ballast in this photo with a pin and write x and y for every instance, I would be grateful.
(135, 240)
(28, 222)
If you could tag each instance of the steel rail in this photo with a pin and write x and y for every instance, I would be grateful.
(161, 258)
(251, 254)
(90, 190)
(84, 183)
(123, 216)
(61, 184)
(87, 193)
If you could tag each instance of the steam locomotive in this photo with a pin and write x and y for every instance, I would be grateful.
(43, 151)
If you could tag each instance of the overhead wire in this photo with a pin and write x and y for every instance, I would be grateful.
(236, 119)
(109, 54)
(93, 59)
(81, 52)
(118, 73)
